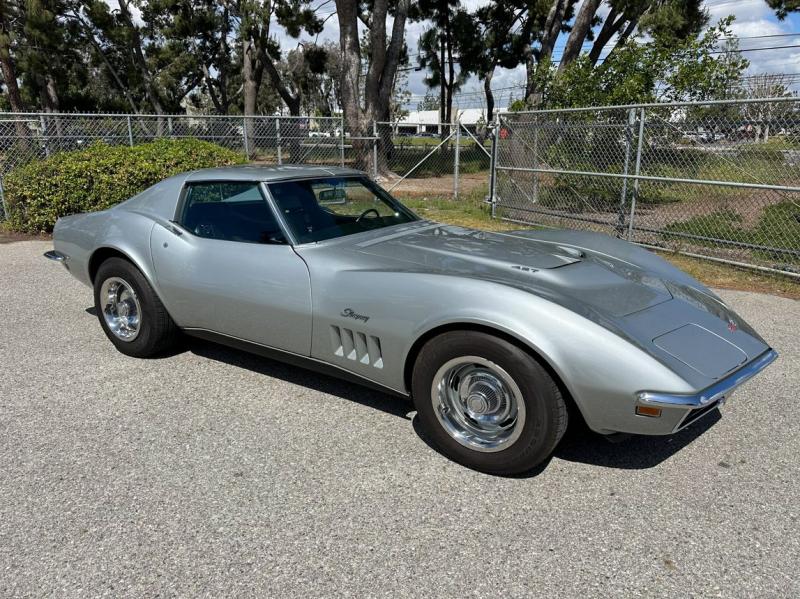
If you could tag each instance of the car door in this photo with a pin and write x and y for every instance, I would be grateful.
(227, 268)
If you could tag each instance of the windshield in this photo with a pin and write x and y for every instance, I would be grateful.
(324, 208)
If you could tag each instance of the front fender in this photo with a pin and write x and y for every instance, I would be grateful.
(601, 370)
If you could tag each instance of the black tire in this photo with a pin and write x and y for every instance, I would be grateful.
(545, 409)
(156, 330)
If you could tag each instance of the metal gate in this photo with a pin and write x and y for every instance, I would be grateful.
(719, 179)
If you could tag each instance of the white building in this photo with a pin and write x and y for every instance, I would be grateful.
(427, 121)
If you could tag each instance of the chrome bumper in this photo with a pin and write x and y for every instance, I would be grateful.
(57, 256)
(710, 394)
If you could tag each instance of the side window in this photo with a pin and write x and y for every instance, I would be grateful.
(230, 211)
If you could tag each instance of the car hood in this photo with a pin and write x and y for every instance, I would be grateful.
(622, 287)
(610, 285)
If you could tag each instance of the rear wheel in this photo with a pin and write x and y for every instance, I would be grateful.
(131, 314)
(486, 403)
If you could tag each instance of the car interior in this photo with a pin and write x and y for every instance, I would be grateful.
(314, 210)
(230, 211)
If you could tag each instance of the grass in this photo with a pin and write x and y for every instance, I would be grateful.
(723, 276)
(468, 211)
(471, 211)
(778, 227)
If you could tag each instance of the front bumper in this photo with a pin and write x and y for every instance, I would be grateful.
(696, 405)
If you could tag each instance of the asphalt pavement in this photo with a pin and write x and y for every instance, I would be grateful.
(212, 472)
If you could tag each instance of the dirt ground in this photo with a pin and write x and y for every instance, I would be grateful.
(436, 186)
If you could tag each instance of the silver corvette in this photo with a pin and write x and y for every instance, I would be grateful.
(499, 338)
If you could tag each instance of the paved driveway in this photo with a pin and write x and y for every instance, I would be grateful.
(214, 472)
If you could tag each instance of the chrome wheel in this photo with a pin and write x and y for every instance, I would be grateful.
(121, 309)
(478, 403)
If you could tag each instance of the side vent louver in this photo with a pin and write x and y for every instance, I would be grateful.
(356, 346)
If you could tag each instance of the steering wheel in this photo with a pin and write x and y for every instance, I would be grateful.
(367, 211)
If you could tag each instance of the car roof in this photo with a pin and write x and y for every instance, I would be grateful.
(254, 172)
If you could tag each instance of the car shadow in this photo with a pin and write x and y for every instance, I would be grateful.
(579, 445)
(629, 452)
(396, 406)
(634, 452)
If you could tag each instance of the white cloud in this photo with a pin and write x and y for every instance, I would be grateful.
(753, 18)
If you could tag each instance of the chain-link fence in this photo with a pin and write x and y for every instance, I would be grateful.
(432, 159)
(416, 160)
(717, 179)
(275, 140)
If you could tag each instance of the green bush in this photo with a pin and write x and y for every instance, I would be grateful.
(98, 177)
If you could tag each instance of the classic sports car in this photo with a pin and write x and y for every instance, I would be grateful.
(497, 337)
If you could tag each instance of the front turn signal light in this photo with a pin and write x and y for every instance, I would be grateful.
(648, 411)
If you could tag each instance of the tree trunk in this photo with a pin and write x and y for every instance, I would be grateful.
(487, 90)
(451, 72)
(381, 73)
(442, 84)
(354, 116)
(549, 35)
(10, 78)
(611, 26)
(583, 22)
(139, 60)
(552, 27)
(252, 69)
(389, 62)
(623, 37)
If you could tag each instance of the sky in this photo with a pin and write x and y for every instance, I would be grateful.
(753, 18)
(754, 21)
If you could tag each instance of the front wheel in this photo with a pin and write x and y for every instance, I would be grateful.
(486, 403)
(130, 312)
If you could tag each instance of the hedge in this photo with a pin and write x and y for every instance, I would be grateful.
(99, 177)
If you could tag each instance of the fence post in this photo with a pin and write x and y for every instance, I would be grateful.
(3, 200)
(130, 132)
(536, 158)
(636, 171)
(624, 194)
(244, 138)
(493, 167)
(169, 126)
(278, 138)
(374, 149)
(341, 138)
(456, 158)
(44, 135)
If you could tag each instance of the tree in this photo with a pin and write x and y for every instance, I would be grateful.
(439, 48)
(366, 97)
(783, 7)
(10, 12)
(664, 19)
(580, 29)
(766, 114)
(650, 72)
(489, 41)
(429, 102)
(200, 31)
